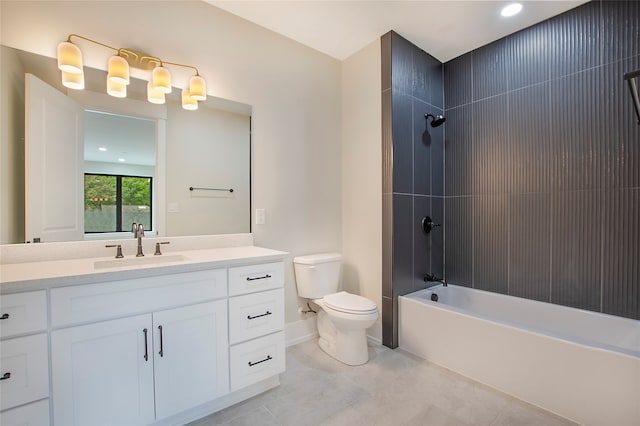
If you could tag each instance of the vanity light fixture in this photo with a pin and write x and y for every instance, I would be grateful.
(70, 64)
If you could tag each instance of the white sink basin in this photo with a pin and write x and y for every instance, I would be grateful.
(139, 261)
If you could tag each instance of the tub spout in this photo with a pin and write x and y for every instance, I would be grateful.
(433, 278)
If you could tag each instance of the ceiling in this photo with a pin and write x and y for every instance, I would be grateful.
(444, 29)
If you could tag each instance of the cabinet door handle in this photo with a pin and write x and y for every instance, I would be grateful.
(258, 278)
(146, 346)
(161, 353)
(5, 376)
(258, 316)
(268, 358)
(4, 316)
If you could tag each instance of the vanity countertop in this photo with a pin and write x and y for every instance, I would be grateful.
(28, 276)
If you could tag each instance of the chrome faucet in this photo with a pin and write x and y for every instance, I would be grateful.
(138, 232)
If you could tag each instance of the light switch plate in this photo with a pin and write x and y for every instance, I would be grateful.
(261, 216)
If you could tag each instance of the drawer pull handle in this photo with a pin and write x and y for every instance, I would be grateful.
(161, 353)
(258, 316)
(4, 316)
(258, 278)
(146, 347)
(5, 376)
(268, 358)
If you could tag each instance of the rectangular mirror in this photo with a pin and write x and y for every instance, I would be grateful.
(205, 150)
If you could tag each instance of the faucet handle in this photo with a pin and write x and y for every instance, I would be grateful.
(134, 229)
(158, 252)
(118, 250)
(140, 230)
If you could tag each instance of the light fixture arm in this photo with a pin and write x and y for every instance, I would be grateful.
(92, 41)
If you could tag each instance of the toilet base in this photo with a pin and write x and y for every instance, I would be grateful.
(348, 346)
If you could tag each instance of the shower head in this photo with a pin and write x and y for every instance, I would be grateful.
(436, 121)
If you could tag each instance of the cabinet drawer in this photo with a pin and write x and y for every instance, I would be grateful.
(257, 360)
(252, 278)
(92, 302)
(35, 414)
(23, 313)
(24, 360)
(254, 315)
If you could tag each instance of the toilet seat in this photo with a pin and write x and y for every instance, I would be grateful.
(349, 303)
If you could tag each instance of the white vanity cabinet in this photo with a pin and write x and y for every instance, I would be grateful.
(140, 368)
(24, 359)
(158, 345)
(256, 323)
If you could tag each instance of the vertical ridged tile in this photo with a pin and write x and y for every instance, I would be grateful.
(576, 131)
(437, 236)
(620, 30)
(458, 155)
(529, 243)
(490, 144)
(423, 146)
(491, 243)
(458, 228)
(576, 245)
(621, 253)
(401, 64)
(621, 152)
(421, 83)
(402, 142)
(530, 154)
(402, 244)
(387, 142)
(389, 322)
(490, 70)
(423, 243)
(437, 157)
(387, 245)
(527, 56)
(436, 83)
(458, 81)
(574, 44)
(385, 59)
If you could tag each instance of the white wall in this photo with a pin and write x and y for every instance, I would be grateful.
(294, 92)
(209, 149)
(362, 173)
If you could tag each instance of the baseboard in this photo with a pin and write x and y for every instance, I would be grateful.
(300, 331)
(374, 333)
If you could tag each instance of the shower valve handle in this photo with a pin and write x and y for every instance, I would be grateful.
(428, 225)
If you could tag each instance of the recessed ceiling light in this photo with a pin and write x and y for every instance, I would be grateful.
(511, 9)
(103, 149)
(122, 160)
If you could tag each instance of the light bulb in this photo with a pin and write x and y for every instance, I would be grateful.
(188, 101)
(154, 95)
(118, 70)
(73, 81)
(161, 79)
(116, 89)
(69, 58)
(197, 88)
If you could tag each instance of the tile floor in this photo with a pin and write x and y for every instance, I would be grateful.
(394, 388)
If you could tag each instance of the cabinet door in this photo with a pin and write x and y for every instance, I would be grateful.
(190, 356)
(101, 375)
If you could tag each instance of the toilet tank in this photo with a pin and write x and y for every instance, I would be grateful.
(317, 274)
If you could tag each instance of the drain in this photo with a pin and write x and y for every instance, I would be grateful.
(434, 297)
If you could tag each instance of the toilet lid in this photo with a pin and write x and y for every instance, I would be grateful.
(349, 303)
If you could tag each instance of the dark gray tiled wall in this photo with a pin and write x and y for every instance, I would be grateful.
(413, 173)
(542, 162)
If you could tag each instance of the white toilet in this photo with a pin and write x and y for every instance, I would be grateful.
(344, 317)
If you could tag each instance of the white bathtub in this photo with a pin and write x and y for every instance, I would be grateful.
(581, 365)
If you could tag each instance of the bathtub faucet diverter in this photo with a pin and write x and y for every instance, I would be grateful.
(429, 278)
